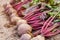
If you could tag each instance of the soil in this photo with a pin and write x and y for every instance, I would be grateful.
(6, 33)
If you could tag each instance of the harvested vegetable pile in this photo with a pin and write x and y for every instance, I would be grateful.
(35, 19)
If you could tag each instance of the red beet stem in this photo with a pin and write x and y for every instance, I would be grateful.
(51, 28)
(18, 6)
(50, 21)
(52, 33)
(45, 24)
(34, 21)
(33, 17)
(30, 14)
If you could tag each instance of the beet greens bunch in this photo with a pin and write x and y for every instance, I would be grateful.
(37, 16)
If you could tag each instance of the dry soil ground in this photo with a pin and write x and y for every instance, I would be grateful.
(5, 33)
